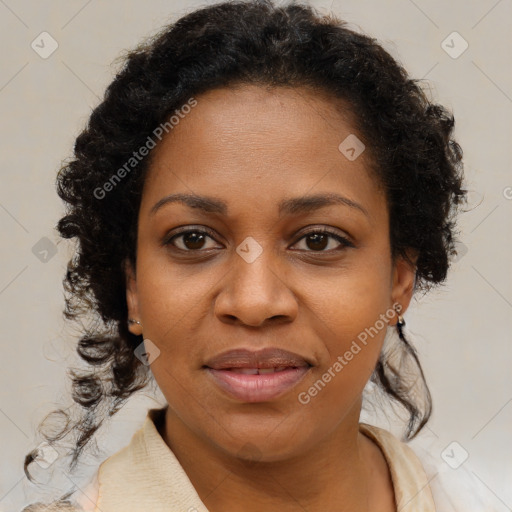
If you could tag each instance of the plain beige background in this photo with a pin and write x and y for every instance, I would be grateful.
(462, 331)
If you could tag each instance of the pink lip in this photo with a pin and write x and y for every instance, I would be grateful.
(270, 357)
(258, 388)
(226, 371)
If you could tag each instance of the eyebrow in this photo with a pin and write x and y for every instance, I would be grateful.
(293, 206)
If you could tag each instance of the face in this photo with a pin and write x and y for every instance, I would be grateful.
(258, 266)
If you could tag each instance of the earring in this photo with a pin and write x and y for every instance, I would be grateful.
(401, 322)
(132, 321)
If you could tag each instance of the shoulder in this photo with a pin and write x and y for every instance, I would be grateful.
(119, 466)
(453, 489)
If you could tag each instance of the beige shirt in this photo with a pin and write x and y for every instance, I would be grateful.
(146, 475)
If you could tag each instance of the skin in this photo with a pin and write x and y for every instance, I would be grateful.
(252, 147)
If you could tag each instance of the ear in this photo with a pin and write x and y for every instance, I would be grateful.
(403, 280)
(132, 300)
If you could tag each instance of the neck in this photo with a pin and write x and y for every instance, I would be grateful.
(332, 475)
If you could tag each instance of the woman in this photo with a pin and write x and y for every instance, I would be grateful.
(255, 202)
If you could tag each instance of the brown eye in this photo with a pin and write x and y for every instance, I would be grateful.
(191, 240)
(319, 240)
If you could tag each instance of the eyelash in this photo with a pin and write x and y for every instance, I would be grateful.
(345, 242)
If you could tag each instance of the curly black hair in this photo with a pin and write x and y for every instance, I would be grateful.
(409, 139)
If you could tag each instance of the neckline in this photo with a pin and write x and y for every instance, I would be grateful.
(369, 432)
(410, 485)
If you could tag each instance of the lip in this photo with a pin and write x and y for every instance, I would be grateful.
(223, 369)
(269, 357)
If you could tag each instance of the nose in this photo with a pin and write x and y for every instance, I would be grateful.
(256, 292)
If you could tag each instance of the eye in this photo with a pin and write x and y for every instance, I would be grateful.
(194, 240)
(190, 240)
(317, 240)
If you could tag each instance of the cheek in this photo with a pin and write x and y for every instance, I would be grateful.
(348, 303)
(170, 294)
(352, 318)
(337, 385)
(355, 348)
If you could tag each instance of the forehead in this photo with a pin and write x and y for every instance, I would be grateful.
(254, 141)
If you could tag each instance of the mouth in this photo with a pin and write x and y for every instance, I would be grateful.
(260, 376)
(258, 371)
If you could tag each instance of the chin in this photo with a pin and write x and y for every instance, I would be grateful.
(252, 443)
